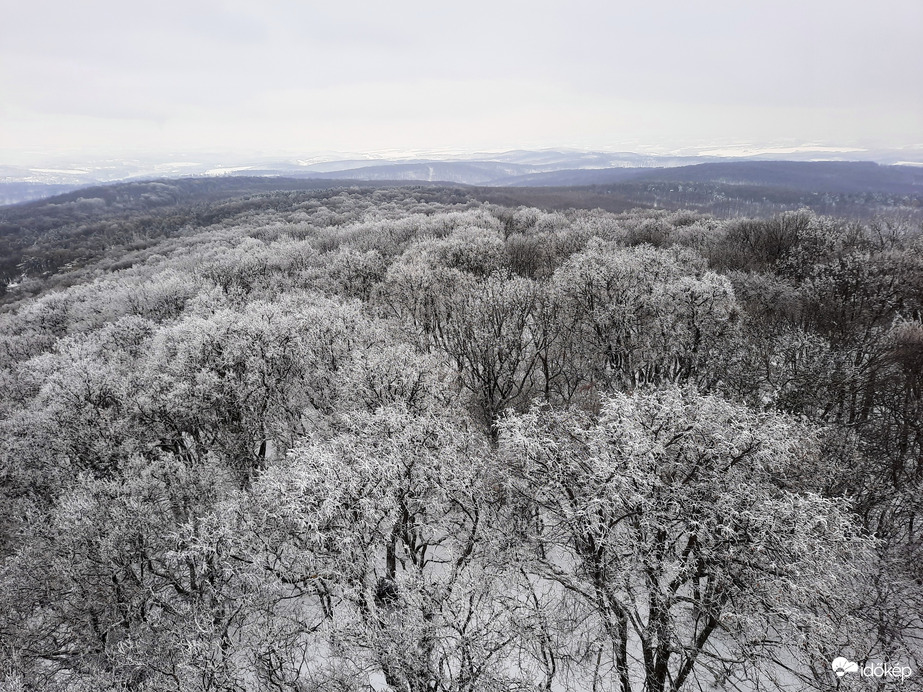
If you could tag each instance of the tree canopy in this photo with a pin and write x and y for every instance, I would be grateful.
(379, 439)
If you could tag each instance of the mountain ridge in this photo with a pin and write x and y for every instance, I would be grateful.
(514, 167)
(853, 177)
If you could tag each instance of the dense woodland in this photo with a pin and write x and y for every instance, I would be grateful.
(41, 240)
(371, 439)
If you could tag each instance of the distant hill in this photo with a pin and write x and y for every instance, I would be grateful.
(38, 238)
(18, 192)
(854, 177)
(754, 188)
(817, 176)
(543, 168)
(459, 172)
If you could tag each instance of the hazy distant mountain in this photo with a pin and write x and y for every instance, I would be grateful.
(14, 193)
(511, 168)
(575, 177)
(826, 176)
(818, 176)
(463, 172)
(823, 176)
(555, 160)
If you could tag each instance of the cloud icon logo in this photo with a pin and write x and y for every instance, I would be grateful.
(841, 666)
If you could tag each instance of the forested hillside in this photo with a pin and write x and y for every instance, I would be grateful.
(42, 239)
(405, 439)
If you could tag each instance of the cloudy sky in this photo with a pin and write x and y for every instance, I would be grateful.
(175, 78)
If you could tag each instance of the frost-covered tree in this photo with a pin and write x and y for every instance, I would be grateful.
(644, 316)
(392, 525)
(668, 530)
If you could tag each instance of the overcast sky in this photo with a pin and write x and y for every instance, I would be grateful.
(89, 78)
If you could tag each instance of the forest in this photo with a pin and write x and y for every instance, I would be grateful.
(406, 439)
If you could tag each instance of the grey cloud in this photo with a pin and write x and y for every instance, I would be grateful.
(685, 67)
